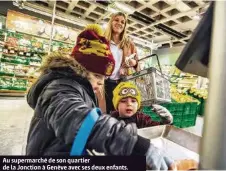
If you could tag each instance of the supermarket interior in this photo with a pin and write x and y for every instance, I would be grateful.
(30, 30)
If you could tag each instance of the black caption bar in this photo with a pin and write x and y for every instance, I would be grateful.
(111, 163)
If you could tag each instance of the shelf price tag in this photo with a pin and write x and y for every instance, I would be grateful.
(28, 54)
(5, 51)
(12, 51)
(21, 53)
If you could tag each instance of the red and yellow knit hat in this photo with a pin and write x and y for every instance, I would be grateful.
(92, 50)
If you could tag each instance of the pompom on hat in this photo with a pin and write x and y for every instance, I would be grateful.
(92, 51)
(123, 90)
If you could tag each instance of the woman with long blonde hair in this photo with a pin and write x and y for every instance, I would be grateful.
(121, 47)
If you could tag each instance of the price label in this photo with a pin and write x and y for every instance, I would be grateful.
(11, 51)
(28, 54)
(21, 53)
(5, 50)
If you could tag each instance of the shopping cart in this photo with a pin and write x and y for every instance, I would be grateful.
(153, 84)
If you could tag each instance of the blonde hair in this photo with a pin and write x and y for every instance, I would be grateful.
(124, 40)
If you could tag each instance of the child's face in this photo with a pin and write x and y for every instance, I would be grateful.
(127, 107)
(97, 81)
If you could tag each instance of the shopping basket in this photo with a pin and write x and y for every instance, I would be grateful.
(152, 83)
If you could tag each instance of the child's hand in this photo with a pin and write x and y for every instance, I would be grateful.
(156, 159)
(165, 115)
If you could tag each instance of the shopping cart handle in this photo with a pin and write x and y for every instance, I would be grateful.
(150, 56)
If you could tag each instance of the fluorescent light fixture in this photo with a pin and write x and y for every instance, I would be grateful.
(124, 7)
(70, 21)
(38, 11)
(112, 10)
(104, 25)
(57, 17)
(145, 43)
(197, 17)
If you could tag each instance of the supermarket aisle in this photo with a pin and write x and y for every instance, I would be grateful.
(15, 116)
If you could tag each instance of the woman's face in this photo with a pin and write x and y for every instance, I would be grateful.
(96, 80)
(118, 24)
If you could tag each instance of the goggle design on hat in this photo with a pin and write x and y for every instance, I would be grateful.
(127, 91)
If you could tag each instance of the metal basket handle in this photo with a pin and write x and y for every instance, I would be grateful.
(150, 56)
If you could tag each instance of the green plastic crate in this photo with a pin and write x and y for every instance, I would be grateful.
(6, 74)
(18, 88)
(201, 106)
(184, 114)
(4, 87)
(177, 118)
(174, 107)
(188, 123)
(149, 112)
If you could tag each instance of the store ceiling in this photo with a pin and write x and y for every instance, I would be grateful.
(169, 23)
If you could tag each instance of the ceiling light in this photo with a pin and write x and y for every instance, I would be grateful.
(19, 4)
(196, 17)
(57, 17)
(124, 7)
(71, 21)
(145, 43)
(112, 10)
(104, 25)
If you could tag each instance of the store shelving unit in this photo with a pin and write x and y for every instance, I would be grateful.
(20, 57)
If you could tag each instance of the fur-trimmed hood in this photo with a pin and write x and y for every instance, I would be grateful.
(56, 66)
(60, 60)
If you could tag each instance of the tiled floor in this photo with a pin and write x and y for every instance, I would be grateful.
(15, 116)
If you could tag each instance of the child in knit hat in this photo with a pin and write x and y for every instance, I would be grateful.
(127, 100)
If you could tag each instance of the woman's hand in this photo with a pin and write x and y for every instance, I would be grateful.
(122, 71)
(132, 62)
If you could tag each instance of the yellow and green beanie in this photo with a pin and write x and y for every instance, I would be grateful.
(123, 90)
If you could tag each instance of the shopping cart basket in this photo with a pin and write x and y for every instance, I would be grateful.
(154, 86)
